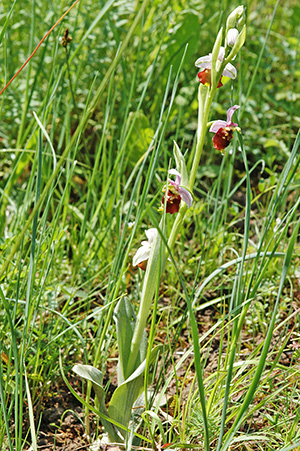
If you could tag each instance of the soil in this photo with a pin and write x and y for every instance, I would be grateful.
(61, 427)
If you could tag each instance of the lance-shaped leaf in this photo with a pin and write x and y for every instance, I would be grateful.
(126, 394)
(95, 376)
(125, 319)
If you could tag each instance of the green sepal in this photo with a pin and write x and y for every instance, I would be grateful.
(95, 376)
(237, 46)
(203, 93)
(214, 58)
(125, 319)
(180, 164)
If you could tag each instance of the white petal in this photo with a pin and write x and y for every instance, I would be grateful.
(204, 62)
(204, 66)
(232, 36)
(230, 71)
(142, 254)
(174, 172)
(221, 53)
(151, 235)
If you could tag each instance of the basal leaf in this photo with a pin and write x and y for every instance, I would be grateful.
(125, 322)
(95, 376)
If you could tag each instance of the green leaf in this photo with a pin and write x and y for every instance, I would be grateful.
(125, 322)
(95, 376)
(126, 394)
(120, 406)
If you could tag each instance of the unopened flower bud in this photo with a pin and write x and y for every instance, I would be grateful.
(235, 18)
(238, 44)
(232, 36)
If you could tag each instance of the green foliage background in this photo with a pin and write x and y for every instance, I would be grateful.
(75, 257)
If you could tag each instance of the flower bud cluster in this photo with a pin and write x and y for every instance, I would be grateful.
(216, 65)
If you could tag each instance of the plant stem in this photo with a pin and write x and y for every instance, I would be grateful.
(154, 270)
(205, 100)
(150, 280)
(149, 286)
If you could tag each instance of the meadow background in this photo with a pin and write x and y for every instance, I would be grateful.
(79, 120)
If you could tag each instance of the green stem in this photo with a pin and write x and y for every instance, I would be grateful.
(177, 225)
(205, 100)
(154, 270)
(150, 280)
(149, 286)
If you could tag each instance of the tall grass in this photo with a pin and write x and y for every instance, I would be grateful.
(86, 140)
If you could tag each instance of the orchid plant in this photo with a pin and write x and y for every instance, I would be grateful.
(151, 257)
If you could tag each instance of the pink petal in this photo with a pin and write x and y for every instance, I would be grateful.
(185, 196)
(177, 179)
(230, 113)
(217, 125)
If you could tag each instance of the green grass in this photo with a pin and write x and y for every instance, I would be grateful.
(86, 140)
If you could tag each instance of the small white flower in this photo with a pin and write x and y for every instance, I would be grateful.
(143, 252)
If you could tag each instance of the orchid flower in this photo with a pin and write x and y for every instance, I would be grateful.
(143, 253)
(205, 63)
(224, 130)
(176, 193)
